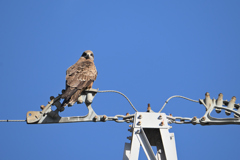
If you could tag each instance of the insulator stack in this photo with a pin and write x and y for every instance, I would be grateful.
(231, 105)
(207, 101)
(219, 102)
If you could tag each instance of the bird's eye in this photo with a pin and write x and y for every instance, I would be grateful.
(84, 54)
(91, 54)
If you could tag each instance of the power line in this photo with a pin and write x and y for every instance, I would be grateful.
(177, 96)
(121, 94)
(12, 120)
(104, 91)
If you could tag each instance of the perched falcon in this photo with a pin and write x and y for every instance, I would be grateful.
(80, 76)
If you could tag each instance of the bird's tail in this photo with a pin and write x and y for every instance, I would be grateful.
(74, 97)
(70, 96)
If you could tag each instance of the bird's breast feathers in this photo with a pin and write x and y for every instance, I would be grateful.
(83, 70)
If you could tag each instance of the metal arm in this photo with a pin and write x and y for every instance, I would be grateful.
(211, 105)
(47, 115)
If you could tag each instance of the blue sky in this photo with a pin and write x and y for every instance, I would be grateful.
(149, 50)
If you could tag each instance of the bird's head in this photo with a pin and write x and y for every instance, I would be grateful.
(88, 55)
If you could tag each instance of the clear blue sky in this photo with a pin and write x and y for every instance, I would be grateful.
(149, 50)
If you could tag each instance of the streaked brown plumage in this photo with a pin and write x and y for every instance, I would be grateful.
(79, 76)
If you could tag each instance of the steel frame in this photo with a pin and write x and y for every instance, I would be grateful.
(150, 129)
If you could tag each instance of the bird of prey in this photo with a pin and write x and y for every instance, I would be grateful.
(79, 77)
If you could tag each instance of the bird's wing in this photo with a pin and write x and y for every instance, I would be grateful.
(81, 74)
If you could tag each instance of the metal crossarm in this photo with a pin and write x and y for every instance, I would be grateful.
(148, 128)
(47, 115)
(213, 104)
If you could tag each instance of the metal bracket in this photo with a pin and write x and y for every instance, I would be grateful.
(150, 129)
(210, 105)
(207, 119)
(47, 115)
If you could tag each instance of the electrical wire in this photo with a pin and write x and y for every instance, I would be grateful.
(97, 91)
(104, 91)
(177, 96)
(12, 120)
(121, 94)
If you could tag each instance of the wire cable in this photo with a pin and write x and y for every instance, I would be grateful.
(121, 94)
(12, 120)
(97, 91)
(177, 96)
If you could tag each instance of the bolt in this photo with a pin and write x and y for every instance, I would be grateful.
(170, 115)
(104, 118)
(194, 118)
(140, 116)
(160, 117)
(148, 108)
(130, 126)
(130, 138)
(139, 123)
(95, 118)
(130, 130)
(127, 114)
(52, 97)
(42, 107)
(203, 118)
(162, 123)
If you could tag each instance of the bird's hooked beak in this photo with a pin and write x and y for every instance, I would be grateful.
(87, 56)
